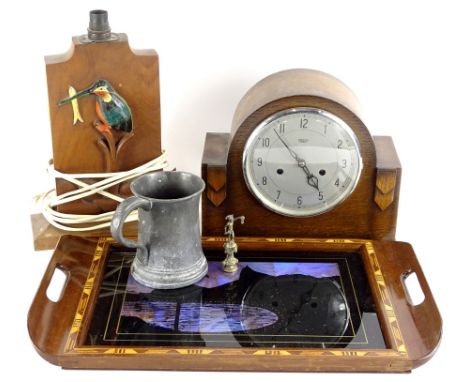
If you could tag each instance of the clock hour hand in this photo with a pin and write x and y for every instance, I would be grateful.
(312, 180)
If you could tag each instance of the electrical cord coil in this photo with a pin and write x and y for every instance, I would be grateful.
(47, 201)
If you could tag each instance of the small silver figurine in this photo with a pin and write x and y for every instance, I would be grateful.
(230, 246)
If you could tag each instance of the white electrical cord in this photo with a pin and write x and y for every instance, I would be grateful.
(48, 200)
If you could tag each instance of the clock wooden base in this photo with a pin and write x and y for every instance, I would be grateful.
(347, 309)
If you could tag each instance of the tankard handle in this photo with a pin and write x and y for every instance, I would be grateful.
(121, 213)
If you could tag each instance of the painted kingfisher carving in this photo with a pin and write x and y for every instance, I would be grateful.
(114, 122)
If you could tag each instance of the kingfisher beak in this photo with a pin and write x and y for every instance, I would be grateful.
(80, 94)
(100, 91)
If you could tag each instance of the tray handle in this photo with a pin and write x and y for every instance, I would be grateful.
(49, 322)
(421, 324)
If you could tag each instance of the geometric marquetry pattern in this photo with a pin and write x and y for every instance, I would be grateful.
(389, 310)
(85, 295)
(213, 352)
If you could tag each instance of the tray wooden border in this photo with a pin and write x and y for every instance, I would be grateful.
(367, 250)
(412, 333)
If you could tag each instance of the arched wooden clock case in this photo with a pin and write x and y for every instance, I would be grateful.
(369, 212)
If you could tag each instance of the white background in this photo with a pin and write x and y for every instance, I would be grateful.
(406, 61)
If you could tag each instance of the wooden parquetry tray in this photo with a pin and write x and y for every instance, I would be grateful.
(59, 330)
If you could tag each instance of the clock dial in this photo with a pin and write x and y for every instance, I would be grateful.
(302, 162)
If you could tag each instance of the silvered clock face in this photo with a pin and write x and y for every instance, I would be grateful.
(302, 162)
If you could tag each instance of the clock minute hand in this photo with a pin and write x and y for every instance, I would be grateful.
(293, 153)
(312, 180)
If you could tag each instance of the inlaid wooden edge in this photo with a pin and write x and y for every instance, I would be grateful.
(390, 315)
(99, 255)
(391, 321)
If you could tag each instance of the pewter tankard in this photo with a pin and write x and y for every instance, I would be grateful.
(169, 252)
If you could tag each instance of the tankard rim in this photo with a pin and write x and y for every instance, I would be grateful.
(197, 182)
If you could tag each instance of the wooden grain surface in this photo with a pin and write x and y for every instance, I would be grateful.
(135, 76)
(290, 83)
(412, 333)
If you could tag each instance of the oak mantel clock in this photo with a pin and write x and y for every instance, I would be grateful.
(300, 162)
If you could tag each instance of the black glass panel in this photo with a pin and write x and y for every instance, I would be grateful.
(287, 299)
